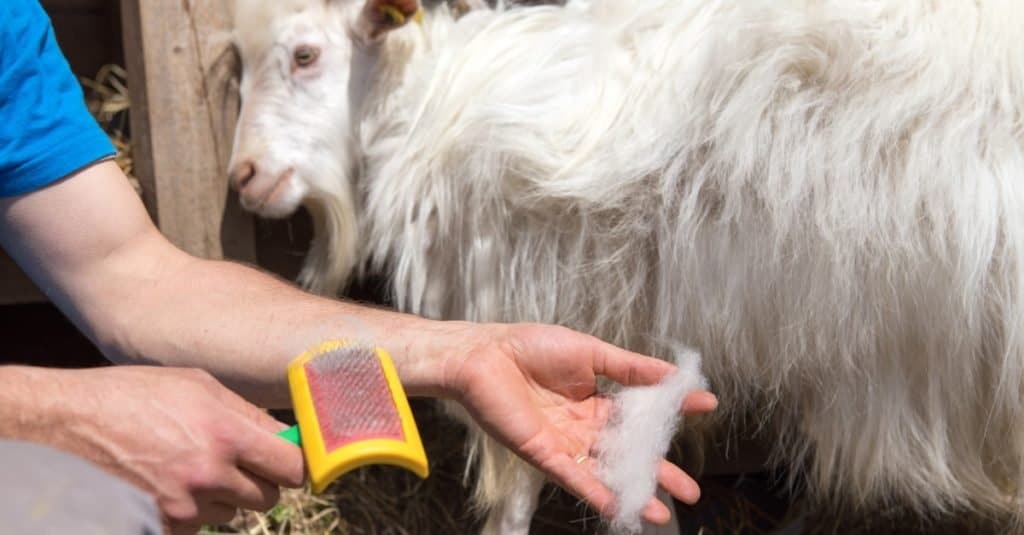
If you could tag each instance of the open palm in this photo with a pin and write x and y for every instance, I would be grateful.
(535, 389)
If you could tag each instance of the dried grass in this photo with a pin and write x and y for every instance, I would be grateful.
(379, 500)
(108, 100)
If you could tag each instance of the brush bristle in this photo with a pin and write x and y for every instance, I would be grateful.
(351, 397)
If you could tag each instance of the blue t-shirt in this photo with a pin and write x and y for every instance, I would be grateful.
(46, 131)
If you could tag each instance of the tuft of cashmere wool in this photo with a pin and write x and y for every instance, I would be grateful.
(644, 420)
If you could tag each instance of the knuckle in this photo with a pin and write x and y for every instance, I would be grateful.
(297, 477)
(204, 475)
(289, 470)
(223, 439)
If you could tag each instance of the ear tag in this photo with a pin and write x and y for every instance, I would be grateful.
(396, 16)
(392, 12)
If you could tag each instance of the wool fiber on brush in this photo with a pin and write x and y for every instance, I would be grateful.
(635, 440)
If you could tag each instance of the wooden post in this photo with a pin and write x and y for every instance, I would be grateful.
(184, 97)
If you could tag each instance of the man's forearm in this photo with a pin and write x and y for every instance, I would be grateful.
(30, 408)
(244, 325)
(89, 244)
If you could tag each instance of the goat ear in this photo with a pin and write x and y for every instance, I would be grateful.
(381, 16)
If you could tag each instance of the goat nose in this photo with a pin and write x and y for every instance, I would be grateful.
(241, 174)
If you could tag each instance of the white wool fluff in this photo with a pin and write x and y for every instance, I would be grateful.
(637, 437)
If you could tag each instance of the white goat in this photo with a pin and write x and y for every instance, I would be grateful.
(826, 197)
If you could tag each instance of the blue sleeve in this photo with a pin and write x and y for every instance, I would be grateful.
(46, 131)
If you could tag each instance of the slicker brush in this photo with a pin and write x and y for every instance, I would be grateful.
(351, 411)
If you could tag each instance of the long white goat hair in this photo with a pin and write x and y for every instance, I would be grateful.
(825, 197)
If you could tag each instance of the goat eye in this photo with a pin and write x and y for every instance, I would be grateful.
(304, 55)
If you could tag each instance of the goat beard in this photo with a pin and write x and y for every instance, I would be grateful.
(333, 252)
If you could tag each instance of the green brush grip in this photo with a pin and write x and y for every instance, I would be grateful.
(292, 435)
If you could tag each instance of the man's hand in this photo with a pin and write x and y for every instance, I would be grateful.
(534, 387)
(198, 448)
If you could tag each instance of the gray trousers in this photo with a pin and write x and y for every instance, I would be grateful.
(46, 491)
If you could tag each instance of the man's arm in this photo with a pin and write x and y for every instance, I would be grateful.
(90, 245)
(178, 434)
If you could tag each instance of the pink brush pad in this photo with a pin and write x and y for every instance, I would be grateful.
(351, 397)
